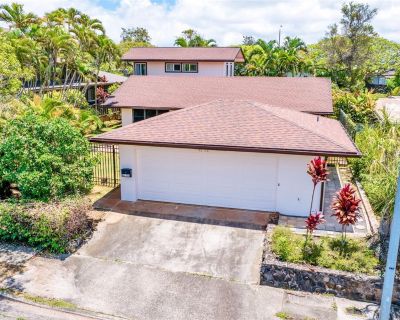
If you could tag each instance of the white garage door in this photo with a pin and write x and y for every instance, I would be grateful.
(215, 178)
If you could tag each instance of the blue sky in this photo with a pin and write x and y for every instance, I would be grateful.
(226, 21)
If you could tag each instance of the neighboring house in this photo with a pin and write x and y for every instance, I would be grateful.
(105, 80)
(143, 97)
(380, 81)
(174, 61)
(231, 153)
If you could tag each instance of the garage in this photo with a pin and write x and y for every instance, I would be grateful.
(209, 155)
(207, 177)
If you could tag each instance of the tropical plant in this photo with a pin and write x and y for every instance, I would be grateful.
(377, 169)
(15, 16)
(190, 38)
(313, 221)
(346, 207)
(269, 59)
(359, 105)
(317, 169)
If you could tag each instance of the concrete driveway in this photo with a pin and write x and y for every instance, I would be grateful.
(145, 268)
(210, 250)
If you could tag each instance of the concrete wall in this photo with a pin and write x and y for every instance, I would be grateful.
(157, 68)
(255, 181)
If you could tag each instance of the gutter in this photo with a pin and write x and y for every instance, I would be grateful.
(226, 148)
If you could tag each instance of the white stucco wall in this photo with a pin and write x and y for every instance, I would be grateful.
(256, 181)
(157, 68)
(126, 116)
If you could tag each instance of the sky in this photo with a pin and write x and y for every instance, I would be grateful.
(226, 21)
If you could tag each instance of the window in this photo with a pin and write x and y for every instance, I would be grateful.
(172, 67)
(142, 114)
(229, 69)
(189, 67)
(140, 68)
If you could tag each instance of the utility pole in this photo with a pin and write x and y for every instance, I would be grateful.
(391, 262)
(279, 36)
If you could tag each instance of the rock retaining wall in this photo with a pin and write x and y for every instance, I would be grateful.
(321, 280)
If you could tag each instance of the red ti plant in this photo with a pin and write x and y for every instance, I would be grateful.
(318, 172)
(346, 207)
(101, 94)
(313, 221)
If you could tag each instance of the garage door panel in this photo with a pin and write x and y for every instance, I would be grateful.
(215, 178)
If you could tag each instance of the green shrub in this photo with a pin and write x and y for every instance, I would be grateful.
(50, 227)
(45, 158)
(360, 106)
(378, 168)
(354, 256)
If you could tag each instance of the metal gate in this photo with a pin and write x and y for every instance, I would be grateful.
(106, 171)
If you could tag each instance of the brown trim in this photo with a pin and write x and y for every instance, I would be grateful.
(226, 148)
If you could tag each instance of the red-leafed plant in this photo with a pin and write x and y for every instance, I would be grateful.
(346, 207)
(313, 221)
(101, 95)
(318, 172)
(317, 169)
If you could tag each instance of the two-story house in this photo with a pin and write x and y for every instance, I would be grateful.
(174, 61)
(235, 142)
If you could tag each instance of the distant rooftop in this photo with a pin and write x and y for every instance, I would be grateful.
(227, 54)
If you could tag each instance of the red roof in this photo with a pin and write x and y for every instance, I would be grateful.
(184, 54)
(310, 94)
(238, 126)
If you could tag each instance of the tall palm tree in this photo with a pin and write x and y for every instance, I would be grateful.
(14, 15)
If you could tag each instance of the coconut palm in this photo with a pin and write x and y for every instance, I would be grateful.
(15, 16)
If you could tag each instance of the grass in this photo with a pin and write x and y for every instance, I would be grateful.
(353, 256)
(283, 315)
(54, 303)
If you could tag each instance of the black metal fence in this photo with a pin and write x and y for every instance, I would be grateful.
(106, 171)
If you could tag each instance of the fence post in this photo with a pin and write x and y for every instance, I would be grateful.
(114, 166)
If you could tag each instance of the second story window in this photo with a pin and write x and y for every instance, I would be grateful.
(186, 67)
(140, 68)
(173, 67)
(189, 67)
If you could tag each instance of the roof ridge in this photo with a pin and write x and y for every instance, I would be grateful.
(295, 123)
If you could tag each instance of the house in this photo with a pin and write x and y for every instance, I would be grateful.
(379, 81)
(174, 61)
(229, 153)
(143, 97)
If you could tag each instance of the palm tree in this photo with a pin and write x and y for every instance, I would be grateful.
(14, 15)
(190, 38)
(104, 51)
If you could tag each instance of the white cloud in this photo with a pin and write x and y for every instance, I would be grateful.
(223, 20)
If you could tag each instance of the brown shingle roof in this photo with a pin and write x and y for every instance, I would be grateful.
(238, 126)
(184, 54)
(311, 94)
